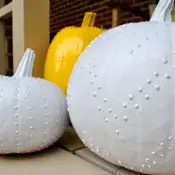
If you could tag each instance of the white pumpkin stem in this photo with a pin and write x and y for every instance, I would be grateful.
(163, 11)
(26, 64)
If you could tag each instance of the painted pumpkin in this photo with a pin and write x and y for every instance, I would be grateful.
(65, 49)
(33, 112)
(121, 94)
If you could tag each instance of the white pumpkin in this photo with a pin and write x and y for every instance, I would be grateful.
(121, 94)
(33, 112)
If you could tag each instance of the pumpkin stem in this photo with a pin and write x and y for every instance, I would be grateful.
(89, 19)
(26, 64)
(163, 11)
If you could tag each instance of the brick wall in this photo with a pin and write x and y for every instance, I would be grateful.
(70, 12)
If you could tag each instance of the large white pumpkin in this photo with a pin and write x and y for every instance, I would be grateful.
(121, 94)
(33, 112)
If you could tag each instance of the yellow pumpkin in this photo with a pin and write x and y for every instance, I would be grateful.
(65, 49)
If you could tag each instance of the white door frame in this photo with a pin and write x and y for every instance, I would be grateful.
(30, 27)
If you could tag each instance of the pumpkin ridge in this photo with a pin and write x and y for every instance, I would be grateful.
(16, 116)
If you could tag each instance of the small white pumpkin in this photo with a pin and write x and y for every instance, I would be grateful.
(33, 112)
(121, 94)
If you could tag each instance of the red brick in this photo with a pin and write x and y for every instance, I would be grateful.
(70, 12)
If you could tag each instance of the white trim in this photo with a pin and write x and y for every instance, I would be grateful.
(6, 10)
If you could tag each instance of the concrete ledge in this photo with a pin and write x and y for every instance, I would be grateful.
(89, 156)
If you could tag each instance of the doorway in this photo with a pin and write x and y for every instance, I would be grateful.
(6, 46)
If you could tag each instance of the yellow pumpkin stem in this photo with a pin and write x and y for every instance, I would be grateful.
(89, 19)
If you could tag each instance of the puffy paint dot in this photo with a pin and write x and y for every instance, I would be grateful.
(17, 132)
(153, 153)
(136, 106)
(30, 108)
(169, 148)
(162, 144)
(109, 110)
(107, 154)
(119, 162)
(131, 97)
(147, 97)
(131, 168)
(140, 89)
(115, 116)
(97, 150)
(149, 166)
(165, 61)
(94, 94)
(156, 74)
(46, 123)
(99, 87)
(154, 162)
(170, 138)
(45, 105)
(161, 155)
(31, 127)
(149, 81)
(157, 87)
(99, 108)
(16, 123)
(124, 105)
(105, 100)
(125, 118)
(167, 76)
(45, 133)
(146, 159)
(16, 115)
(106, 120)
(15, 107)
(143, 165)
(117, 131)
(31, 135)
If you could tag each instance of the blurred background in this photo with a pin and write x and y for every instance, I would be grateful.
(70, 12)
